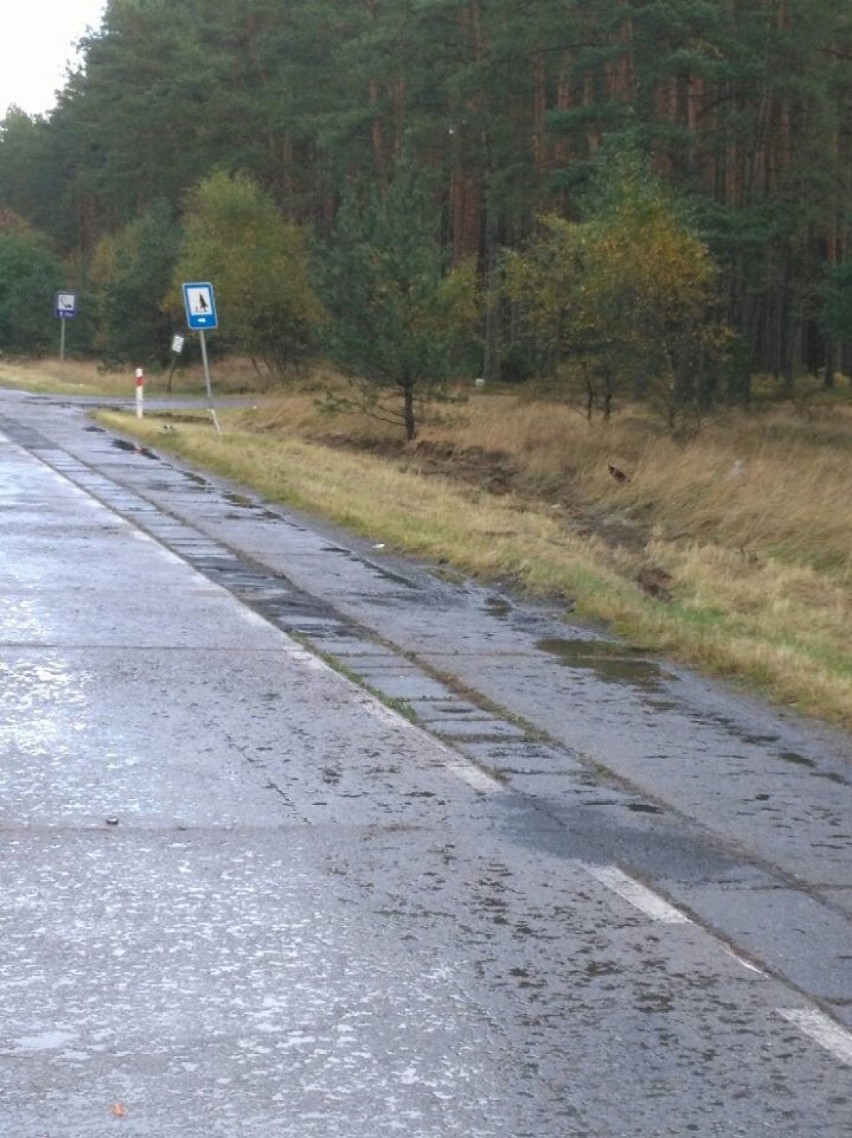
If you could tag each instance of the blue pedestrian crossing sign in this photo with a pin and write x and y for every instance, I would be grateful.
(200, 306)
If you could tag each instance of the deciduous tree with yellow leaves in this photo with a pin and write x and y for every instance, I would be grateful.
(623, 300)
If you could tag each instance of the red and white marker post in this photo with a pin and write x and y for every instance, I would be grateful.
(140, 392)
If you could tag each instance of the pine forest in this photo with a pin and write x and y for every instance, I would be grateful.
(651, 197)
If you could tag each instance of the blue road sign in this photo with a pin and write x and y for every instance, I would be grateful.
(200, 306)
(65, 306)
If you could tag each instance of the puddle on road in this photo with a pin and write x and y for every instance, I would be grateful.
(654, 1003)
(123, 444)
(796, 759)
(811, 764)
(832, 776)
(596, 968)
(764, 741)
(241, 500)
(749, 737)
(497, 606)
(611, 663)
(198, 479)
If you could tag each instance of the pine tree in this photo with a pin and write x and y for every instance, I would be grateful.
(396, 312)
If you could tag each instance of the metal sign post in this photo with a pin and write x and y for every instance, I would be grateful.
(200, 305)
(210, 406)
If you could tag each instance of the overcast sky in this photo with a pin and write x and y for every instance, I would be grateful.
(36, 45)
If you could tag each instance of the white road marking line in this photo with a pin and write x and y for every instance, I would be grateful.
(823, 1030)
(379, 711)
(745, 963)
(637, 894)
(468, 772)
(250, 616)
(475, 777)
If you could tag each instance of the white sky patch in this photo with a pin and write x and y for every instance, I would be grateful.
(37, 43)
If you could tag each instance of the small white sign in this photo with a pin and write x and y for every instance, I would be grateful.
(177, 344)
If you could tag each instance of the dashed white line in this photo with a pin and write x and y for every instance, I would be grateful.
(824, 1031)
(743, 962)
(476, 778)
(467, 772)
(636, 894)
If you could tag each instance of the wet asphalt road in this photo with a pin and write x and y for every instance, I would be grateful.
(584, 894)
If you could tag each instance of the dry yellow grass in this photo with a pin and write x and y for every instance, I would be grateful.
(82, 377)
(767, 483)
(733, 552)
(51, 375)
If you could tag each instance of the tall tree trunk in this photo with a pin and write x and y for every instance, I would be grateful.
(408, 418)
(491, 361)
